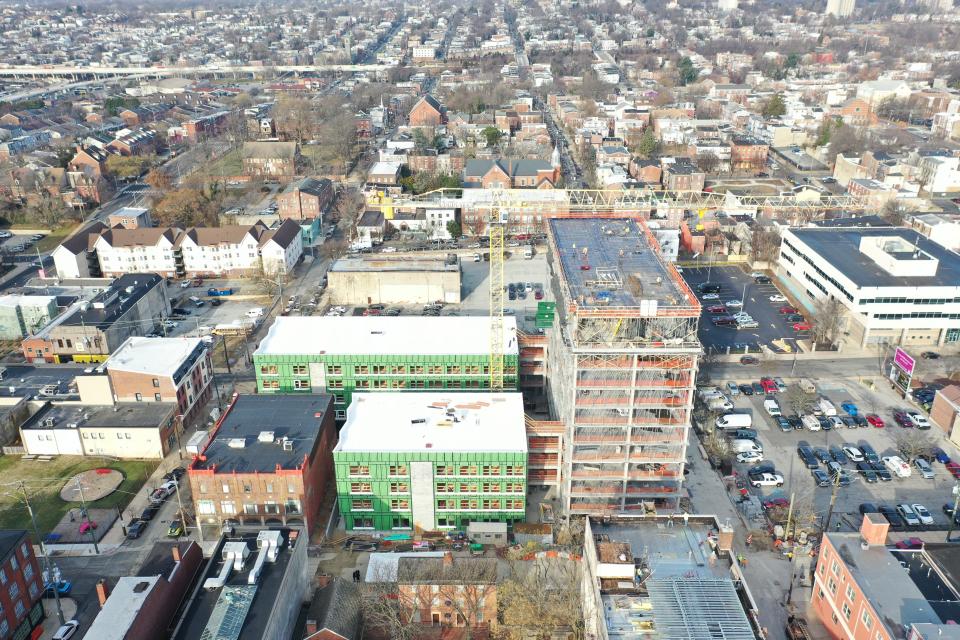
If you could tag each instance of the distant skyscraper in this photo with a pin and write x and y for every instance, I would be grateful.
(727, 5)
(840, 8)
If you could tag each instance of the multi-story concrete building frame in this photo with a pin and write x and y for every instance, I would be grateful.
(623, 358)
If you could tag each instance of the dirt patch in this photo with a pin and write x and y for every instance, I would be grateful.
(94, 483)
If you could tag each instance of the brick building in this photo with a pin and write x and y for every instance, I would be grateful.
(683, 176)
(306, 200)
(448, 591)
(748, 154)
(141, 607)
(89, 159)
(21, 611)
(268, 462)
(163, 370)
(427, 112)
(271, 159)
(510, 173)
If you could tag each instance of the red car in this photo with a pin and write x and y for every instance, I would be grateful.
(717, 308)
(371, 312)
(875, 420)
(775, 503)
(769, 386)
(538, 295)
(801, 326)
(953, 468)
(910, 543)
(785, 309)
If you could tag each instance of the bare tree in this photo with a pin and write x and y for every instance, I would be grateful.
(796, 398)
(388, 610)
(349, 207)
(892, 213)
(294, 118)
(828, 321)
(333, 250)
(541, 597)
(708, 162)
(912, 446)
(764, 244)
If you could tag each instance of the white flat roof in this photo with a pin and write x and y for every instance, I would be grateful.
(427, 421)
(398, 335)
(159, 356)
(122, 607)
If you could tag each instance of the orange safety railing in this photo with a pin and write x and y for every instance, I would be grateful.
(545, 427)
(659, 489)
(621, 439)
(607, 363)
(606, 382)
(542, 459)
(543, 442)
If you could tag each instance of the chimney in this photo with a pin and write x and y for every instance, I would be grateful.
(103, 592)
(447, 559)
(176, 553)
(311, 627)
(874, 529)
(725, 538)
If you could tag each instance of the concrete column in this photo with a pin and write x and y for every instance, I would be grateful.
(903, 336)
(943, 338)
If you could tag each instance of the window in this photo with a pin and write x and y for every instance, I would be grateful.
(271, 384)
(268, 370)
(224, 487)
(445, 522)
(446, 487)
(247, 487)
(446, 504)
(515, 470)
(401, 523)
(851, 594)
(846, 610)
(292, 506)
(832, 586)
(491, 470)
(156, 383)
(399, 487)
(138, 396)
(301, 384)
(867, 619)
(34, 590)
(515, 504)
(291, 488)
(468, 487)
(334, 370)
(268, 487)
(468, 504)
(13, 563)
(249, 509)
(835, 568)
(468, 470)
(157, 398)
(14, 590)
(487, 503)
(227, 506)
(340, 414)
(360, 487)
(491, 487)
(359, 470)
(271, 507)
(19, 609)
(398, 470)
(4, 629)
(363, 523)
(514, 487)
(363, 505)
(299, 369)
(400, 504)
(27, 571)
(444, 470)
(205, 507)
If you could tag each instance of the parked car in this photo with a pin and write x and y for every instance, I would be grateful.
(922, 513)
(849, 407)
(801, 326)
(918, 420)
(148, 513)
(868, 453)
(901, 418)
(875, 420)
(136, 529)
(930, 355)
(175, 530)
(749, 360)
(940, 455)
(778, 298)
(926, 471)
(897, 466)
(67, 630)
(892, 516)
(768, 480)
(882, 472)
(783, 424)
(837, 455)
(820, 477)
(866, 471)
(787, 309)
(749, 457)
(62, 589)
(734, 303)
(906, 512)
(746, 389)
(822, 454)
(717, 308)
(868, 507)
(733, 390)
(853, 453)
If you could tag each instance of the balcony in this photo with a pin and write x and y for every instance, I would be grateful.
(605, 383)
(543, 444)
(618, 439)
(543, 460)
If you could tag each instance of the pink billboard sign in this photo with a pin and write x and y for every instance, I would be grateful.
(904, 361)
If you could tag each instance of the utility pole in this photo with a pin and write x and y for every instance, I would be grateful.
(226, 355)
(177, 427)
(786, 531)
(86, 517)
(43, 553)
(833, 501)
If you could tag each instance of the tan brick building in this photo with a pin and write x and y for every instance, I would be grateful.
(306, 199)
(177, 370)
(427, 112)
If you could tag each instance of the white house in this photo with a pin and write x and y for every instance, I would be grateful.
(281, 248)
(148, 250)
(72, 256)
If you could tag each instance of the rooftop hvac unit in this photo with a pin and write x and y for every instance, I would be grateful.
(265, 436)
(49, 422)
(237, 443)
(287, 444)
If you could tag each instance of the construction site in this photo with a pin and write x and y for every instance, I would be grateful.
(622, 359)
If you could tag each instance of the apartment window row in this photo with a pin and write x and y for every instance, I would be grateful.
(917, 314)
(477, 470)
(245, 486)
(888, 300)
(474, 487)
(473, 504)
(819, 271)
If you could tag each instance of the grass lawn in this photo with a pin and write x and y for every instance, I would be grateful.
(44, 480)
(229, 164)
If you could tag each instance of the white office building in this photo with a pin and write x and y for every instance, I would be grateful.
(898, 286)
(840, 8)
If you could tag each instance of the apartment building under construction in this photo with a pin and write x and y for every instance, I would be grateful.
(622, 360)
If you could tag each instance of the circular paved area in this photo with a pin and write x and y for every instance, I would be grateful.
(96, 483)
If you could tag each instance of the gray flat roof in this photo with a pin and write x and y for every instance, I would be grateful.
(841, 248)
(253, 625)
(296, 416)
(123, 415)
(624, 269)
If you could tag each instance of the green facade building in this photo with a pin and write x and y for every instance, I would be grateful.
(435, 461)
(338, 355)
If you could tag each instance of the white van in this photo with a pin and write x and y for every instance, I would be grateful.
(810, 422)
(734, 421)
(807, 386)
(742, 446)
(826, 407)
(256, 312)
(771, 407)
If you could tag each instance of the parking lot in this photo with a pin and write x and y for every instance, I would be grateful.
(774, 330)
(194, 320)
(780, 448)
